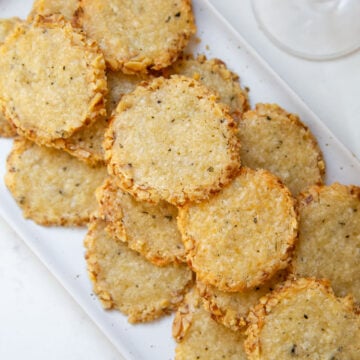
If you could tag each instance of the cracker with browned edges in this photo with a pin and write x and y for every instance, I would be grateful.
(50, 186)
(124, 280)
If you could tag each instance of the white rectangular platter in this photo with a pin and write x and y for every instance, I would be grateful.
(61, 249)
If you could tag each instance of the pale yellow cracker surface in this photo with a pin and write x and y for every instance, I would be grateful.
(329, 237)
(243, 235)
(86, 143)
(137, 35)
(304, 320)
(66, 8)
(6, 27)
(214, 74)
(278, 141)
(50, 186)
(120, 84)
(170, 140)
(147, 228)
(6, 128)
(201, 337)
(232, 308)
(52, 79)
(124, 280)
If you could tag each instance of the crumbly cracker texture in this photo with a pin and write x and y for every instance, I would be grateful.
(329, 237)
(86, 143)
(120, 84)
(170, 140)
(124, 280)
(147, 228)
(52, 79)
(50, 186)
(66, 8)
(214, 74)
(201, 337)
(303, 320)
(243, 235)
(231, 308)
(138, 35)
(6, 27)
(7, 130)
(273, 139)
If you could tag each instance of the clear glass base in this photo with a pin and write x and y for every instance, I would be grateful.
(312, 29)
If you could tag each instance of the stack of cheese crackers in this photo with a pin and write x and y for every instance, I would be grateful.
(195, 201)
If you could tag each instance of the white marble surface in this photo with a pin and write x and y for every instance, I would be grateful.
(40, 320)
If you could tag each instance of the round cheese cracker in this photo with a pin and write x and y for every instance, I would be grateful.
(231, 308)
(137, 35)
(50, 186)
(214, 74)
(243, 235)
(303, 320)
(170, 140)
(329, 237)
(52, 79)
(201, 337)
(278, 141)
(124, 280)
(66, 8)
(149, 229)
(7, 129)
(86, 143)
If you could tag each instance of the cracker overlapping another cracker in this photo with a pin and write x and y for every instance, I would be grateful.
(243, 235)
(273, 139)
(304, 320)
(124, 280)
(329, 237)
(138, 35)
(147, 228)
(214, 74)
(50, 186)
(173, 189)
(171, 140)
(86, 143)
(53, 79)
(231, 308)
(200, 337)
